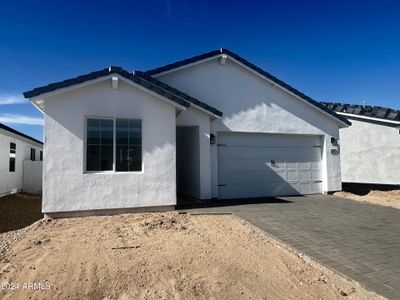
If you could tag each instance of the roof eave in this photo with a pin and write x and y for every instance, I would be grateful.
(39, 94)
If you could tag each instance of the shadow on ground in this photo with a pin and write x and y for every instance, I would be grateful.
(18, 211)
(185, 202)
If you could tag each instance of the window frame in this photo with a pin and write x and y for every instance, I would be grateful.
(12, 157)
(114, 168)
(33, 151)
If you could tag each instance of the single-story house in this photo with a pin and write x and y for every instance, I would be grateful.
(370, 148)
(15, 148)
(211, 126)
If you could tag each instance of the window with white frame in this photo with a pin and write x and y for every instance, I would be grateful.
(113, 145)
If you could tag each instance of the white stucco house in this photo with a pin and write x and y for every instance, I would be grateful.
(211, 126)
(370, 148)
(17, 149)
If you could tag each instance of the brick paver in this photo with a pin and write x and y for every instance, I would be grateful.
(361, 241)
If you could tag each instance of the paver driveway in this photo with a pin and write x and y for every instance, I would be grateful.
(361, 241)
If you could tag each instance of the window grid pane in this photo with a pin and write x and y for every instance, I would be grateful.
(13, 148)
(99, 152)
(100, 143)
(11, 167)
(33, 154)
(128, 145)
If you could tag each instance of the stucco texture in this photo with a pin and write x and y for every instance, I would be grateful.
(251, 104)
(67, 187)
(12, 181)
(370, 153)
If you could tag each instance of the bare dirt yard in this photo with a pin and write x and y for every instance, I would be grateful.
(19, 210)
(385, 198)
(162, 256)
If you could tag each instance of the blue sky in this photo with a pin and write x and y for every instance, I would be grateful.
(345, 51)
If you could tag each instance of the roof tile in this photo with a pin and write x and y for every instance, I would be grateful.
(365, 110)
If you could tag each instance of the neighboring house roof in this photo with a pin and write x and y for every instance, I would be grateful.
(240, 59)
(9, 129)
(136, 77)
(377, 112)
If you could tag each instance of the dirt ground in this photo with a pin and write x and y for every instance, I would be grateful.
(162, 256)
(19, 210)
(385, 198)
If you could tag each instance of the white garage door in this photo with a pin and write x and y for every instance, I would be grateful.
(261, 165)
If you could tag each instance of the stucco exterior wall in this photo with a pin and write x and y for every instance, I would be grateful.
(251, 104)
(32, 177)
(370, 153)
(12, 181)
(68, 188)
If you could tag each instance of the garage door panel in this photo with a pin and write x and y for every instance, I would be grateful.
(249, 178)
(257, 165)
(278, 154)
(275, 140)
(316, 175)
(305, 175)
(243, 164)
(232, 164)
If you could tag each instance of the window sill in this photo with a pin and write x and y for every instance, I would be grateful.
(113, 172)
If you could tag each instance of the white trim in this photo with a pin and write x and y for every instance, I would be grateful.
(289, 92)
(195, 105)
(21, 138)
(205, 110)
(369, 118)
(114, 168)
(93, 81)
(154, 94)
(186, 65)
(69, 88)
(256, 73)
(37, 105)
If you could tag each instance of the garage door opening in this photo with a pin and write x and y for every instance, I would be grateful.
(268, 165)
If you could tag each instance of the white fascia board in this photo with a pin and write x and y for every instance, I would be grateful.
(369, 118)
(181, 107)
(39, 106)
(289, 92)
(187, 65)
(90, 82)
(258, 74)
(192, 104)
(205, 111)
(68, 88)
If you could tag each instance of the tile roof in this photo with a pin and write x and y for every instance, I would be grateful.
(378, 112)
(9, 129)
(107, 71)
(138, 77)
(251, 66)
(181, 94)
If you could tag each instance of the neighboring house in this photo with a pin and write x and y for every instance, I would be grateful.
(15, 148)
(370, 148)
(212, 126)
